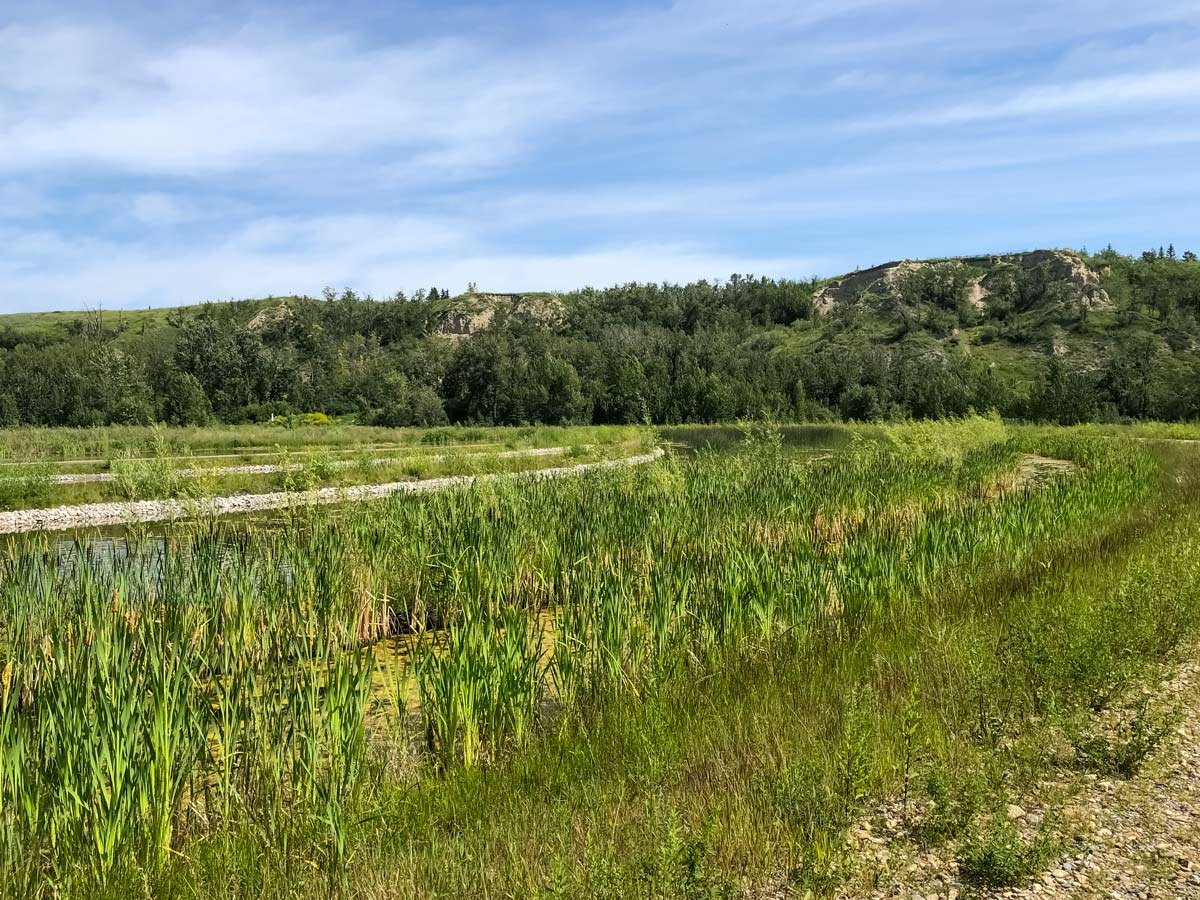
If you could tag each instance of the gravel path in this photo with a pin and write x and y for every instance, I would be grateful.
(67, 517)
(270, 468)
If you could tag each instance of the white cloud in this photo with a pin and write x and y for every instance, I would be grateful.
(159, 209)
(22, 201)
(97, 97)
(1113, 92)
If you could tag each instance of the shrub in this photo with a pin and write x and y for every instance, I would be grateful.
(954, 804)
(306, 471)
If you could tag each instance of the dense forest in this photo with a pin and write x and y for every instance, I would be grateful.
(1049, 335)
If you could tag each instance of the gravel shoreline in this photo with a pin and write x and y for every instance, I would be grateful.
(62, 518)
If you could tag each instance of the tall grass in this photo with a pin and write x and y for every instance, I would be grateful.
(157, 474)
(208, 695)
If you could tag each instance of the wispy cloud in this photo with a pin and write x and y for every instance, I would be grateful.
(99, 97)
(1112, 93)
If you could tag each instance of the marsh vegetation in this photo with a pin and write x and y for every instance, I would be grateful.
(688, 679)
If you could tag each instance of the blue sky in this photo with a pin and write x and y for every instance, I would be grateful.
(155, 154)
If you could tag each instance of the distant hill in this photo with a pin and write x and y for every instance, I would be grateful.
(1045, 334)
(461, 315)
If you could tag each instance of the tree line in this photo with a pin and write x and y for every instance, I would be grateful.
(700, 352)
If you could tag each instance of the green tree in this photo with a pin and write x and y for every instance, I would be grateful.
(1129, 374)
(1065, 395)
(559, 397)
(181, 398)
(625, 402)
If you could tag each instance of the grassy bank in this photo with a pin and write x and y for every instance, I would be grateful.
(685, 681)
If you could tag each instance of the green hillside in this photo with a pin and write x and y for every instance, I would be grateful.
(118, 325)
(62, 323)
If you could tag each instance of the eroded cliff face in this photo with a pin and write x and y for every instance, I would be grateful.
(986, 273)
(472, 313)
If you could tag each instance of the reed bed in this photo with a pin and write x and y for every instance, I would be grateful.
(213, 693)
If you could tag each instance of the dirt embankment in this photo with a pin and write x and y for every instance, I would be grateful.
(1058, 266)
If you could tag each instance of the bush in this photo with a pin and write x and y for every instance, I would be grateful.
(307, 470)
(954, 804)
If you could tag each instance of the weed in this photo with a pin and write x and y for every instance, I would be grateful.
(26, 485)
(157, 475)
(955, 798)
(1121, 751)
(997, 856)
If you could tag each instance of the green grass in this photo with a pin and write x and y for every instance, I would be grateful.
(132, 323)
(1121, 751)
(797, 437)
(999, 857)
(686, 680)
